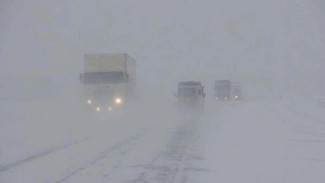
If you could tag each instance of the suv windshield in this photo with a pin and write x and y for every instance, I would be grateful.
(186, 92)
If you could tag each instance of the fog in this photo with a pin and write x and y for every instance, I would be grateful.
(275, 49)
(271, 45)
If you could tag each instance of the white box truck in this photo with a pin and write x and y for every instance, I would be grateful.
(108, 80)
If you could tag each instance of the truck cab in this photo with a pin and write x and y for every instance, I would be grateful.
(236, 91)
(108, 81)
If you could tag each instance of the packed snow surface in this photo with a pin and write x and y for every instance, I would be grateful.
(247, 141)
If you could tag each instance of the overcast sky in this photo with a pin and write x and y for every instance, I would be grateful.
(279, 42)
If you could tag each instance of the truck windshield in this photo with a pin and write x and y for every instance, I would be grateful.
(103, 77)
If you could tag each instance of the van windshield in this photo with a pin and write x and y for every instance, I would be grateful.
(103, 77)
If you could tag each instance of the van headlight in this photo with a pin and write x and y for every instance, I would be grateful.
(89, 101)
(98, 109)
(118, 100)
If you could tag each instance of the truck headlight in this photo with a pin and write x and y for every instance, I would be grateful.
(118, 100)
(89, 101)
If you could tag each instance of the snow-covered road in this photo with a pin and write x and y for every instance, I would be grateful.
(246, 141)
(266, 141)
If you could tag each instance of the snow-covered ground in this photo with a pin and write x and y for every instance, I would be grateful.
(267, 141)
(247, 141)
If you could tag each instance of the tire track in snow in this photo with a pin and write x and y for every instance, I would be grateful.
(170, 166)
(127, 143)
(41, 154)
